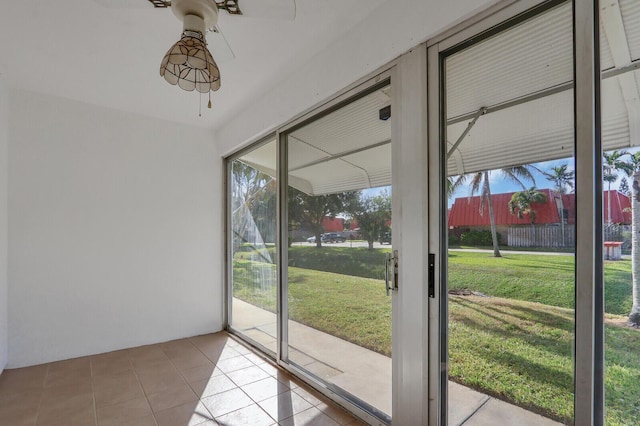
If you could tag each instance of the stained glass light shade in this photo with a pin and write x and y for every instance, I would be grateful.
(189, 64)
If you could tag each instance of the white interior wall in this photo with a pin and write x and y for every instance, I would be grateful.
(383, 35)
(115, 235)
(4, 123)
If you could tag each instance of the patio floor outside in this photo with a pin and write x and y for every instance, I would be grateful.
(367, 374)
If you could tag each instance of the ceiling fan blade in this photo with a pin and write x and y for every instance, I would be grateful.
(126, 4)
(219, 46)
(269, 9)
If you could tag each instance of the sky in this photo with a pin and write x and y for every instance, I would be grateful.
(500, 184)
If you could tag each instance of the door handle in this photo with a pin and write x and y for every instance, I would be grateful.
(391, 272)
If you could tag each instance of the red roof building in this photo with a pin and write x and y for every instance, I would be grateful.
(333, 224)
(465, 211)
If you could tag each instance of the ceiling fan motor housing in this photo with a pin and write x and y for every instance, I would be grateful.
(196, 15)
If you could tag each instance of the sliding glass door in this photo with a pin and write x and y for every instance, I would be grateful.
(533, 123)
(312, 271)
(339, 235)
(497, 211)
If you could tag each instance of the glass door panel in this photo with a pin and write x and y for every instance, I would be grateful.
(252, 230)
(339, 224)
(510, 273)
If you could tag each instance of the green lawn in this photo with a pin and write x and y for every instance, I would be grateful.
(536, 278)
(517, 350)
(521, 352)
(352, 308)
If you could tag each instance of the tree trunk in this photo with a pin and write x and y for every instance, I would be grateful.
(562, 218)
(634, 316)
(370, 244)
(609, 205)
(492, 219)
(318, 240)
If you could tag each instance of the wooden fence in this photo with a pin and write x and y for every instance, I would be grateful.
(541, 236)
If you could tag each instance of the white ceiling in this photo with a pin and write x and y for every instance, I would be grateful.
(81, 50)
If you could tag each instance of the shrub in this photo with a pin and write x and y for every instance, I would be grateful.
(478, 238)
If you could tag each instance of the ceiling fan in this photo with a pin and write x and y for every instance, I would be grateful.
(188, 63)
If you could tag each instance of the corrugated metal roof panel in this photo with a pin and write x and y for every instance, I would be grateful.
(535, 131)
(606, 60)
(353, 126)
(525, 59)
(630, 10)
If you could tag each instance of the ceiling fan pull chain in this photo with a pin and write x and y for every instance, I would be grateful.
(209, 104)
(200, 105)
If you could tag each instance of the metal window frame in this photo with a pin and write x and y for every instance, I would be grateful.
(589, 334)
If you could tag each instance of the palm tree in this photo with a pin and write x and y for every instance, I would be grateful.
(561, 178)
(480, 184)
(611, 163)
(521, 203)
(454, 183)
(634, 170)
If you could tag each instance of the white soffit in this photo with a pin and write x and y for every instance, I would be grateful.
(535, 131)
(347, 149)
(263, 158)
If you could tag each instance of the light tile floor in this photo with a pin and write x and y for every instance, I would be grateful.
(205, 380)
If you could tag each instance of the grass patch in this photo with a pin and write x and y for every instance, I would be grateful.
(536, 278)
(355, 309)
(354, 261)
(521, 352)
(517, 351)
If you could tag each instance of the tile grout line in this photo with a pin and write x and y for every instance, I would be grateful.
(93, 393)
(144, 392)
(215, 365)
(269, 361)
(42, 394)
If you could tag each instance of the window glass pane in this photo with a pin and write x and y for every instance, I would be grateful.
(339, 201)
(253, 190)
(511, 224)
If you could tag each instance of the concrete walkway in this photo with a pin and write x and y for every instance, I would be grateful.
(367, 374)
